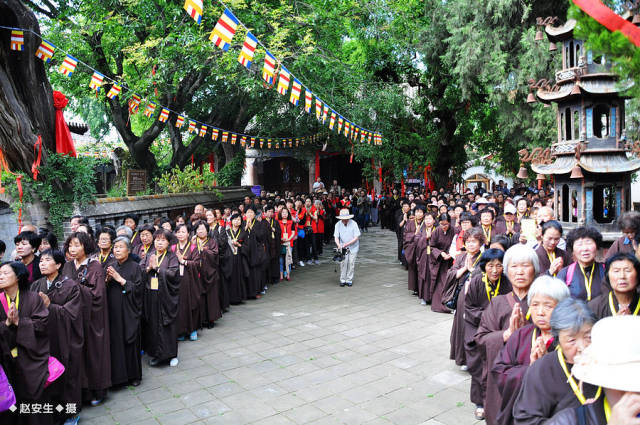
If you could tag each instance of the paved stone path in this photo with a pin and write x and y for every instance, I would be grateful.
(310, 352)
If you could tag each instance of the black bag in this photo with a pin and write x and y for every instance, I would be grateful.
(451, 294)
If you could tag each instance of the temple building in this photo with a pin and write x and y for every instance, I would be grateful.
(591, 167)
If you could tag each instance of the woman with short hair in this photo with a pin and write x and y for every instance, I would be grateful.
(439, 262)
(585, 277)
(548, 385)
(86, 270)
(504, 315)
(621, 272)
(552, 259)
(124, 293)
(414, 230)
(160, 301)
(459, 276)
(629, 225)
(482, 288)
(528, 343)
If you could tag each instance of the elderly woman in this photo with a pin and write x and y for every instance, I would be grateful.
(585, 277)
(190, 295)
(146, 241)
(504, 315)
(210, 306)
(459, 276)
(482, 288)
(414, 231)
(160, 300)
(629, 224)
(622, 272)
(24, 341)
(124, 294)
(235, 267)
(552, 259)
(548, 385)
(528, 343)
(106, 236)
(439, 262)
(611, 363)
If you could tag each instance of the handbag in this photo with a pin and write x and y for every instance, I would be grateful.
(7, 396)
(56, 369)
(301, 233)
(452, 292)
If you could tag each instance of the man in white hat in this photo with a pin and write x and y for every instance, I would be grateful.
(612, 362)
(347, 235)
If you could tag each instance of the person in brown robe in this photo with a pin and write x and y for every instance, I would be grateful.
(414, 230)
(528, 343)
(423, 256)
(62, 297)
(89, 274)
(210, 309)
(190, 294)
(482, 288)
(506, 223)
(235, 268)
(255, 251)
(439, 263)
(160, 301)
(24, 342)
(459, 275)
(629, 225)
(105, 237)
(124, 294)
(504, 315)
(622, 273)
(219, 233)
(588, 279)
(546, 388)
(552, 259)
(273, 245)
(146, 241)
(487, 225)
(131, 221)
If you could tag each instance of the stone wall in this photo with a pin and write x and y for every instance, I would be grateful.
(111, 211)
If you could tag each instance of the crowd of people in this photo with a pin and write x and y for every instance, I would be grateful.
(77, 318)
(527, 300)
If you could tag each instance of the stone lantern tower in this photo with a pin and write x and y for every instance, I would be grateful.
(591, 168)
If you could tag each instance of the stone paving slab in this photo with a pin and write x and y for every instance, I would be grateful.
(310, 352)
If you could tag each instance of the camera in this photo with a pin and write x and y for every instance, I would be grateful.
(338, 257)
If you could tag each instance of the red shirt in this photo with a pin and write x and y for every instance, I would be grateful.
(317, 225)
(286, 230)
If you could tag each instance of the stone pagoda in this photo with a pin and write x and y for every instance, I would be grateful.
(590, 164)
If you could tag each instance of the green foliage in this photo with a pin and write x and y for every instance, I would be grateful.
(63, 183)
(190, 179)
(232, 171)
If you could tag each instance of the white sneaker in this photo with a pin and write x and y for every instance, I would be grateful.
(464, 368)
(174, 362)
(317, 261)
(423, 302)
(310, 262)
(301, 263)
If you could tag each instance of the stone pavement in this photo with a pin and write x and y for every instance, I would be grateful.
(310, 352)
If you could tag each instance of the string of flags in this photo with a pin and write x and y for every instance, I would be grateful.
(222, 35)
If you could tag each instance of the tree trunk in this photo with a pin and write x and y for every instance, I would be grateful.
(26, 97)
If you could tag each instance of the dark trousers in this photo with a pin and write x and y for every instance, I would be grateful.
(316, 245)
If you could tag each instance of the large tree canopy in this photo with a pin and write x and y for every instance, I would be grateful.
(442, 81)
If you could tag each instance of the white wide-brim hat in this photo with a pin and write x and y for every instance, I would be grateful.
(344, 214)
(613, 358)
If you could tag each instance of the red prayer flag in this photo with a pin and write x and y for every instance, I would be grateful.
(64, 142)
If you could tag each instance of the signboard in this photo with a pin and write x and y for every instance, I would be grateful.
(256, 190)
(136, 181)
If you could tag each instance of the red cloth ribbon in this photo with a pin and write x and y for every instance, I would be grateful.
(212, 163)
(37, 157)
(402, 186)
(64, 142)
(611, 20)
(317, 165)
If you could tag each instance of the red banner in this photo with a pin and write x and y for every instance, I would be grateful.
(611, 20)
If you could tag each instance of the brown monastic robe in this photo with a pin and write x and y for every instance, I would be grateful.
(190, 293)
(457, 352)
(509, 368)
(494, 321)
(501, 227)
(545, 391)
(219, 233)
(619, 246)
(594, 415)
(438, 267)
(210, 278)
(29, 371)
(476, 301)
(601, 306)
(66, 336)
(125, 310)
(97, 354)
(160, 307)
(545, 263)
(409, 243)
(423, 255)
